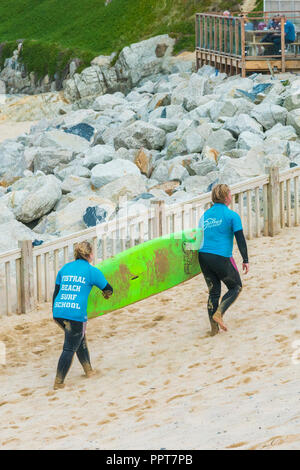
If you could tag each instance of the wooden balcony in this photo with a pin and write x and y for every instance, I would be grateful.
(241, 44)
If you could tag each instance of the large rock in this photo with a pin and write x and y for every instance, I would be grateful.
(47, 158)
(70, 218)
(229, 107)
(105, 173)
(121, 188)
(6, 214)
(12, 232)
(241, 123)
(247, 140)
(143, 59)
(98, 154)
(221, 140)
(293, 119)
(59, 139)
(12, 162)
(282, 132)
(32, 108)
(140, 134)
(32, 197)
(292, 96)
(102, 103)
(269, 114)
(92, 81)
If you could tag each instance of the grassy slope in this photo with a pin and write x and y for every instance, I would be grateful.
(87, 28)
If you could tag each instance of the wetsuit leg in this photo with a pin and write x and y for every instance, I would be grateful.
(233, 282)
(216, 269)
(84, 355)
(214, 289)
(74, 341)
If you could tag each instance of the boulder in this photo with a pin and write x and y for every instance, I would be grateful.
(241, 123)
(143, 59)
(45, 159)
(221, 140)
(59, 139)
(269, 114)
(144, 161)
(282, 132)
(105, 173)
(12, 232)
(121, 188)
(12, 162)
(247, 140)
(104, 102)
(32, 197)
(293, 119)
(70, 218)
(76, 185)
(140, 134)
(99, 154)
(75, 168)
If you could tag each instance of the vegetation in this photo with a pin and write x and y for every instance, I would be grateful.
(56, 31)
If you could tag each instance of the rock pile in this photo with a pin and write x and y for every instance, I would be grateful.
(172, 135)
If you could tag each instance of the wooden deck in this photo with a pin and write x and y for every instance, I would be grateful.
(225, 43)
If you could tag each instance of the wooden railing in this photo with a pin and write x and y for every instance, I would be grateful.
(27, 275)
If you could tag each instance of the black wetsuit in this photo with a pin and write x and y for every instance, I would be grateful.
(75, 342)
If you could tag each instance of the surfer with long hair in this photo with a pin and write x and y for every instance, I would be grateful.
(220, 225)
(73, 285)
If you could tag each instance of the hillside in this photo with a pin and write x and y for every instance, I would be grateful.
(56, 31)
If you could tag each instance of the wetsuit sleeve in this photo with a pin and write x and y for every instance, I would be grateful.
(97, 279)
(242, 245)
(108, 288)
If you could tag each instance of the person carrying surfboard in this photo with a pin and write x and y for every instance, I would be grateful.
(73, 285)
(220, 225)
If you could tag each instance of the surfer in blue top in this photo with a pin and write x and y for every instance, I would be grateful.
(73, 285)
(220, 225)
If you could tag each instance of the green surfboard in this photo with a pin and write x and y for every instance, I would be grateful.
(146, 270)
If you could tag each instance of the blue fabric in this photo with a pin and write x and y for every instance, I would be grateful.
(289, 30)
(76, 280)
(219, 224)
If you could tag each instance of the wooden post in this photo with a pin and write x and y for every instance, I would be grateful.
(273, 202)
(27, 277)
(243, 45)
(160, 218)
(282, 45)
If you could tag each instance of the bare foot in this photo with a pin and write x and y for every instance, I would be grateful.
(91, 373)
(214, 328)
(58, 386)
(218, 318)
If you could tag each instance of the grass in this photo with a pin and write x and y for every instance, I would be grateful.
(56, 31)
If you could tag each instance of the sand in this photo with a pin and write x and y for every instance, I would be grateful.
(163, 382)
(11, 129)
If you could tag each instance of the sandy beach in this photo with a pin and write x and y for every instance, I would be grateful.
(163, 382)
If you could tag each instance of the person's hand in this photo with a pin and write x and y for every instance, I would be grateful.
(245, 268)
(107, 294)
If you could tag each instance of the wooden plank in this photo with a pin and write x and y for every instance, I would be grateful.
(296, 200)
(47, 277)
(288, 204)
(39, 278)
(282, 46)
(8, 291)
(257, 213)
(282, 204)
(273, 202)
(18, 286)
(249, 215)
(243, 46)
(265, 209)
(27, 277)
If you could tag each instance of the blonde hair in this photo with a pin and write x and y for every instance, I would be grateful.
(83, 251)
(220, 193)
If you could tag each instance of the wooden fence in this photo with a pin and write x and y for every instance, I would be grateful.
(27, 275)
